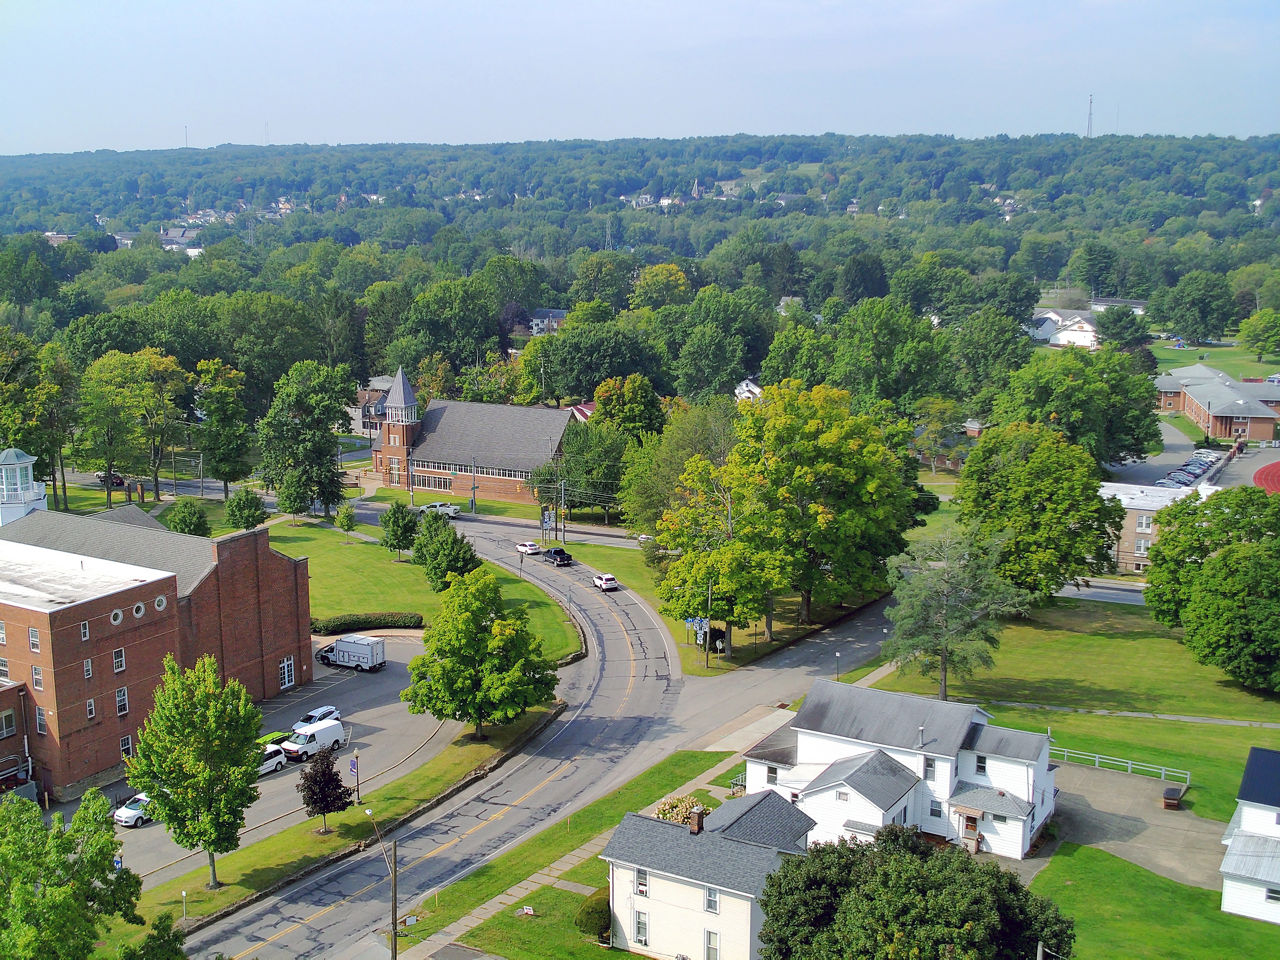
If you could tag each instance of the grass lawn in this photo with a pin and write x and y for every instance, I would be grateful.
(726, 779)
(941, 481)
(548, 933)
(592, 871)
(1184, 425)
(494, 508)
(1234, 361)
(215, 510)
(362, 577)
(1109, 656)
(942, 520)
(90, 499)
(1122, 910)
(460, 898)
(294, 848)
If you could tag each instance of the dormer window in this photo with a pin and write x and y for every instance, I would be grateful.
(980, 764)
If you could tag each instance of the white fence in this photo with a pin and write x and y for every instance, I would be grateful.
(1103, 762)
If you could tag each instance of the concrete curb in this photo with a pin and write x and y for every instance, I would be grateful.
(475, 776)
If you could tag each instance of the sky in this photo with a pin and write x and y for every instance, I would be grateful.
(142, 74)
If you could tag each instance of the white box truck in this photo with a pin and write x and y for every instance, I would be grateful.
(355, 651)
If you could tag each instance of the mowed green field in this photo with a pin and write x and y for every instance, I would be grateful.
(1233, 361)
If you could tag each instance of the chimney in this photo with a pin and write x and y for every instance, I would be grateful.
(921, 743)
(695, 820)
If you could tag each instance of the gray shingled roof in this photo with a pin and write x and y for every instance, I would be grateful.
(874, 775)
(131, 514)
(778, 747)
(988, 800)
(401, 393)
(885, 719)
(764, 818)
(1226, 400)
(189, 558)
(13, 457)
(1003, 742)
(1253, 857)
(495, 434)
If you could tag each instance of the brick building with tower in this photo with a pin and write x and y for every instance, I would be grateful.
(456, 448)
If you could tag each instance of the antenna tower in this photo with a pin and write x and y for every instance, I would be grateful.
(1089, 130)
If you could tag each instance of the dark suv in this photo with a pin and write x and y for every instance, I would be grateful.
(557, 556)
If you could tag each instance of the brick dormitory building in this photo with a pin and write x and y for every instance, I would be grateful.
(90, 605)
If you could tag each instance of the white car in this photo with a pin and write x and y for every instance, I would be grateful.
(604, 582)
(273, 760)
(133, 813)
(316, 715)
(450, 510)
(528, 547)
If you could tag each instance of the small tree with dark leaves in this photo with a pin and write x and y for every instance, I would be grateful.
(322, 789)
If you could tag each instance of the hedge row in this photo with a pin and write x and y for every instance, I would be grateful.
(346, 622)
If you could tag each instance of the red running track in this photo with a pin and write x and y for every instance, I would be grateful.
(1268, 478)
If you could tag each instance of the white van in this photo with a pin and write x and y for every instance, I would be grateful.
(308, 741)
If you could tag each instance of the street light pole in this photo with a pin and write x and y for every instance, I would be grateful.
(837, 665)
(355, 762)
(391, 869)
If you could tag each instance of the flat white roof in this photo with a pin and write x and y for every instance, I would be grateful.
(1134, 496)
(37, 578)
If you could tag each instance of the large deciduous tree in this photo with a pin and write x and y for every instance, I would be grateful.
(1232, 617)
(631, 404)
(1197, 308)
(886, 351)
(1101, 401)
(660, 285)
(1025, 487)
(399, 527)
(164, 384)
(948, 600)
(112, 395)
(482, 662)
(224, 431)
(1260, 332)
(197, 757)
(1122, 326)
(441, 550)
(59, 888)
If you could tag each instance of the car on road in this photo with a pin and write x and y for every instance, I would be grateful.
(116, 479)
(134, 812)
(528, 547)
(604, 582)
(557, 556)
(327, 712)
(273, 760)
(450, 510)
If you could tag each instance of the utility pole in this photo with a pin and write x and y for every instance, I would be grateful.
(473, 485)
(395, 920)
(563, 532)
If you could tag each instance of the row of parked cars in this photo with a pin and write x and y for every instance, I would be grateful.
(1189, 474)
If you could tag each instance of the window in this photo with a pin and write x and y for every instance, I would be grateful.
(126, 746)
(900, 817)
(935, 808)
(161, 602)
(2, 640)
(37, 677)
(90, 710)
(929, 766)
(122, 701)
(33, 638)
(642, 929)
(117, 617)
(1144, 523)
(4, 668)
(8, 726)
(642, 882)
(999, 818)
(84, 630)
(88, 669)
(771, 775)
(980, 764)
(711, 900)
(42, 727)
(842, 796)
(117, 659)
(286, 673)
(138, 610)
(711, 951)
(1141, 545)
(1273, 895)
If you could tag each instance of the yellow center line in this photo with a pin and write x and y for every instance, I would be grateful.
(426, 856)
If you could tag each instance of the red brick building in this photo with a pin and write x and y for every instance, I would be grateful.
(456, 448)
(1219, 405)
(90, 605)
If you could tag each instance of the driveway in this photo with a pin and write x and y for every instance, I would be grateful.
(1176, 450)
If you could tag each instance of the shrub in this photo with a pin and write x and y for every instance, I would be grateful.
(676, 808)
(347, 622)
(187, 516)
(593, 918)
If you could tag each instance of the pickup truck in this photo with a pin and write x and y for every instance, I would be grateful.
(450, 510)
(604, 582)
(558, 556)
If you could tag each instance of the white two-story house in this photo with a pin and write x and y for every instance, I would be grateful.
(856, 759)
(692, 891)
(1251, 867)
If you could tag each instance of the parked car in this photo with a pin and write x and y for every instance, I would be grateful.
(1194, 467)
(558, 556)
(269, 739)
(528, 547)
(1208, 456)
(604, 582)
(116, 479)
(273, 760)
(1167, 483)
(1183, 479)
(643, 538)
(308, 741)
(134, 812)
(450, 510)
(316, 715)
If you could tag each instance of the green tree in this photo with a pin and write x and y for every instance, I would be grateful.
(939, 428)
(246, 510)
(1197, 308)
(197, 757)
(322, 789)
(1191, 530)
(590, 467)
(399, 527)
(345, 520)
(1260, 332)
(801, 898)
(482, 662)
(59, 396)
(441, 551)
(187, 516)
(983, 350)
(1100, 400)
(224, 432)
(112, 396)
(162, 942)
(660, 285)
(292, 496)
(604, 275)
(885, 351)
(1119, 324)
(1028, 489)
(631, 404)
(948, 599)
(59, 888)
(164, 384)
